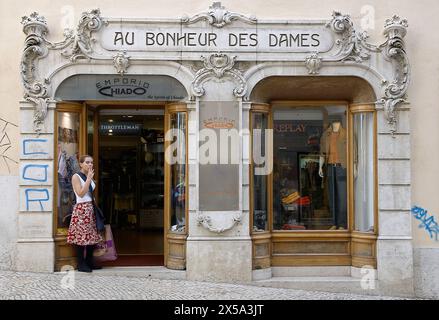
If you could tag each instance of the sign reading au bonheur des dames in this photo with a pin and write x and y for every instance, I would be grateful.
(284, 38)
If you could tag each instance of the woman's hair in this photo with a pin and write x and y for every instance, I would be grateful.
(83, 157)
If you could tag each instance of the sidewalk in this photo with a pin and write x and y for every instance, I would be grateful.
(81, 286)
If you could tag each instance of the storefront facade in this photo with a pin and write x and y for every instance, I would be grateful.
(314, 182)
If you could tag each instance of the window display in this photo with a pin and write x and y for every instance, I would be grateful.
(178, 174)
(333, 153)
(310, 168)
(67, 164)
(260, 192)
(363, 171)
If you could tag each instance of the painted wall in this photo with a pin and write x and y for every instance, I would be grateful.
(422, 42)
(9, 141)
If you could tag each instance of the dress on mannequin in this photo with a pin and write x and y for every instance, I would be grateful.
(333, 152)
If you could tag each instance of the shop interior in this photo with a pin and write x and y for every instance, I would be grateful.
(131, 183)
(306, 195)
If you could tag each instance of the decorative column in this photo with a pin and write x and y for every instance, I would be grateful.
(394, 246)
(35, 246)
(219, 246)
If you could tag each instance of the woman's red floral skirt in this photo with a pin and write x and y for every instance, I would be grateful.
(82, 229)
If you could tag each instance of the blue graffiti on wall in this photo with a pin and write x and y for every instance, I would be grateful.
(32, 141)
(41, 195)
(41, 168)
(427, 221)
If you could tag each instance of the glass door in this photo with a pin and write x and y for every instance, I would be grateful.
(70, 143)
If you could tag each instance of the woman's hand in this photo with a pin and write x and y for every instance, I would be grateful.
(90, 174)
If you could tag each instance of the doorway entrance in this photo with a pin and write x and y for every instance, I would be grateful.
(143, 197)
(131, 182)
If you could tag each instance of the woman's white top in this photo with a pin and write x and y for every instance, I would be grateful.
(87, 196)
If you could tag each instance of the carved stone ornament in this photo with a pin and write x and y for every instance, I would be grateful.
(80, 45)
(206, 222)
(218, 65)
(352, 45)
(395, 92)
(121, 62)
(35, 90)
(36, 46)
(313, 63)
(218, 16)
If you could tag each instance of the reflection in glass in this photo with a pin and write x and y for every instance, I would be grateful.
(178, 173)
(67, 163)
(90, 131)
(260, 192)
(309, 174)
(363, 172)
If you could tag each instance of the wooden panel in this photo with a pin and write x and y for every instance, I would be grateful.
(176, 251)
(261, 255)
(311, 235)
(310, 260)
(262, 249)
(359, 262)
(64, 253)
(311, 247)
(60, 263)
(66, 250)
(364, 250)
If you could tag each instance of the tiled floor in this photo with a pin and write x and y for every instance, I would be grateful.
(138, 242)
(137, 248)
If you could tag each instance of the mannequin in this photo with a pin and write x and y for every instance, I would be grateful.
(335, 128)
(333, 153)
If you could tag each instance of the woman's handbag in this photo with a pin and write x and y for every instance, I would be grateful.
(106, 250)
(100, 218)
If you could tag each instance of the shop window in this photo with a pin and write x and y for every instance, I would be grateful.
(68, 128)
(259, 122)
(310, 166)
(363, 169)
(178, 188)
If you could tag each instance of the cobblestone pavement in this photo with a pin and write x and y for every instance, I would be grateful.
(80, 286)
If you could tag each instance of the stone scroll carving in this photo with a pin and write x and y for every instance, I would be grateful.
(80, 45)
(313, 63)
(353, 47)
(218, 65)
(35, 89)
(206, 222)
(218, 16)
(395, 92)
(36, 46)
(121, 62)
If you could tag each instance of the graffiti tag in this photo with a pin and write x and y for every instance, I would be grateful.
(427, 221)
(5, 143)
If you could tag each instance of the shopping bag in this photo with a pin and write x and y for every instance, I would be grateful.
(106, 250)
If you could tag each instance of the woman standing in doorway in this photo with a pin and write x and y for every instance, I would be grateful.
(82, 230)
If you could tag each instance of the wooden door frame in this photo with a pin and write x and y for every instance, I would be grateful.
(175, 243)
(64, 253)
(132, 105)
